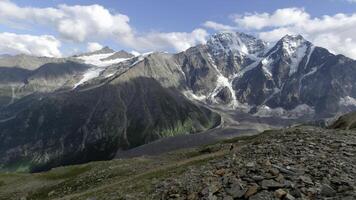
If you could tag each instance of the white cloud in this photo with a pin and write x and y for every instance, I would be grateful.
(76, 23)
(217, 26)
(94, 22)
(280, 17)
(179, 41)
(336, 33)
(43, 45)
(93, 46)
(80, 22)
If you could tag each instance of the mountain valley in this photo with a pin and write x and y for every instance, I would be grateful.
(178, 126)
(90, 106)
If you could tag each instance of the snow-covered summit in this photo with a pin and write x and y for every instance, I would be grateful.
(235, 42)
(294, 45)
(291, 49)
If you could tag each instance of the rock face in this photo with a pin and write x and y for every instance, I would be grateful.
(292, 77)
(295, 163)
(292, 73)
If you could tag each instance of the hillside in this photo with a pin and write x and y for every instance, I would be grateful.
(302, 162)
(345, 122)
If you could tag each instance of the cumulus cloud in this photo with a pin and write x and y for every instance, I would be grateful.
(334, 32)
(94, 46)
(281, 17)
(179, 41)
(76, 23)
(94, 22)
(44, 45)
(218, 26)
(80, 22)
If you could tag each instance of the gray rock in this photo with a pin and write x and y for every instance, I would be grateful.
(306, 179)
(263, 195)
(236, 192)
(228, 198)
(271, 184)
(327, 191)
(251, 164)
(289, 197)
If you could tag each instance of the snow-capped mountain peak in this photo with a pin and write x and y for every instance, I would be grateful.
(291, 49)
(294, 44)
(235, 42)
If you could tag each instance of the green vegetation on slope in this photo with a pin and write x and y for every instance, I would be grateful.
(115, 178)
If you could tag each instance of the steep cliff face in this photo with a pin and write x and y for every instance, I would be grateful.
(74, 127)
(287, 76)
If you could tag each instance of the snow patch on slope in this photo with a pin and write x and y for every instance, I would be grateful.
(96, 59)
(141, 57)
(222, 82)
(296, 59)
(190, 94)
(296, 48)
(347, 101)
(311, 50)
(88, 75)
(266, 66)
(99, 65)
(299, 111)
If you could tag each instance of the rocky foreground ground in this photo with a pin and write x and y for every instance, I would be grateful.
(302, 162)
(297, 163)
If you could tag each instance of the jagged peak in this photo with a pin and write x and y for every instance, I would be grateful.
(293, 40)
(105, 49)
(291, 49)
(232, 34)
(293, 37)
(291, 43)
(236, 42)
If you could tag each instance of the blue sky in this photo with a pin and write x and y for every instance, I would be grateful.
(170, 25)
(185, 15)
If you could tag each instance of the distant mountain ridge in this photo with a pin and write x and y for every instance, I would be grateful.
(104, 100)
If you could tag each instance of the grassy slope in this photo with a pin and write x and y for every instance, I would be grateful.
(115, 179)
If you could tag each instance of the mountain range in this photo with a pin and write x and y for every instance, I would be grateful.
(57, 111)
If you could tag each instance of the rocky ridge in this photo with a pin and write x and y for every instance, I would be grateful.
(296, 163)
(303, 162)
